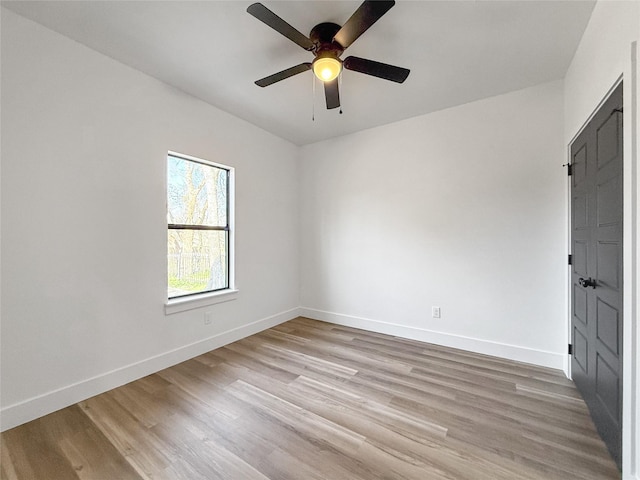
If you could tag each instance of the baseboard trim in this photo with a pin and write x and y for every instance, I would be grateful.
(19, 413)
(486, 347)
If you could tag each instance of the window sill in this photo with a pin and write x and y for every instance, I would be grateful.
(177, 305)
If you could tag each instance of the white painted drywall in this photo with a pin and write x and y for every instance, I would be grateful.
(463, 209)
(84, 143)
(605, 54)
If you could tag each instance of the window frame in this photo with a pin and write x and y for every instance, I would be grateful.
(229, 292)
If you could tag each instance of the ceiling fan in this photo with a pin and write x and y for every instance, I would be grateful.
(327, 41)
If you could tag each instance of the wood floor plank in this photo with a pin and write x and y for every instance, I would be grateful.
(64, 445)
(313, 400)
(7, 469)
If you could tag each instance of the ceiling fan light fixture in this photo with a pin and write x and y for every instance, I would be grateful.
(327, 68)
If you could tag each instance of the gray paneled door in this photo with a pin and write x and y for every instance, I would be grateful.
(596, 279)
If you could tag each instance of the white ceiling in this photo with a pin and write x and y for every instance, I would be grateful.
(458, 52)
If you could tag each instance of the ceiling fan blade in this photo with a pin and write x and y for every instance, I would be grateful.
(289, 72)
(366, 15)
(332, 94)
(266, 16)
(377, 69)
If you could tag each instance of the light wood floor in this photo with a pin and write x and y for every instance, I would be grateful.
(310, 400)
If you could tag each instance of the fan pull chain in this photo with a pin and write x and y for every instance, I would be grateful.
(313, 98)
(340, 89)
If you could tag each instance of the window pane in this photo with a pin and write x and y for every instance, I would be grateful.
(196, 193)
(197, 261)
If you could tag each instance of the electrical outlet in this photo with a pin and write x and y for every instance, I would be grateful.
(435, 312)
(208, 318)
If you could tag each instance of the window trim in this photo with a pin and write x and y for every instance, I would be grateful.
(230, 292)
(199, 300)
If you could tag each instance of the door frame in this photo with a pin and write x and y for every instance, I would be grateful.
(631, 267)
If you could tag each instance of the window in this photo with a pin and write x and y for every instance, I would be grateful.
(199, 221)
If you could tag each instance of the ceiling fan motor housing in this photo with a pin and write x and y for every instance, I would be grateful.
(322, 36)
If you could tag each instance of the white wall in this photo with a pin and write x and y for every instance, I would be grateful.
(84, 143)
(464, 209)
(607, 52)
